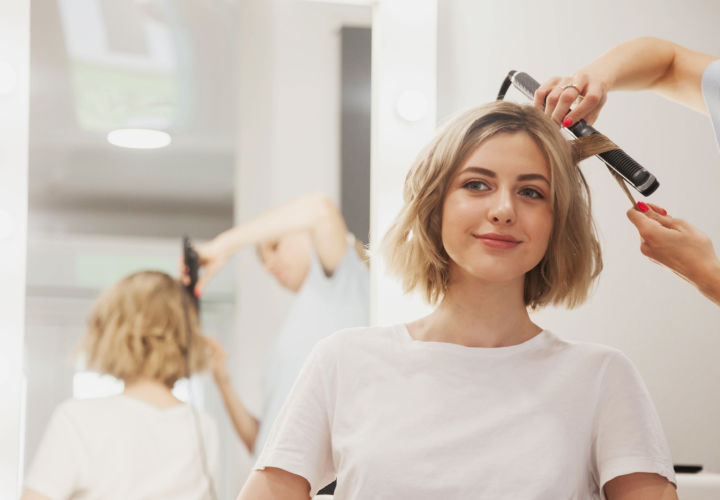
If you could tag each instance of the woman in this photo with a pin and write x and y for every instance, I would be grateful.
(475, 400)
(144, 443)
(687, 77)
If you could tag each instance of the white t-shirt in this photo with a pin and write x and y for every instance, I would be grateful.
(323, 305)
(393, 417)
(711, 93)
(122, 448)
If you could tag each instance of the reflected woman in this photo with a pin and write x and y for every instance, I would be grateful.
(143, 443)
(475, 400)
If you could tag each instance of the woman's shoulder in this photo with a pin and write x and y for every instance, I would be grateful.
(359, 337)
(82, 415)
(74, 407)
(591, 351)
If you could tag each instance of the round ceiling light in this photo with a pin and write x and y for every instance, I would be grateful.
(139, 138)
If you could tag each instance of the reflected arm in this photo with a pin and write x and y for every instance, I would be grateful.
(245, 424)
(315, 213)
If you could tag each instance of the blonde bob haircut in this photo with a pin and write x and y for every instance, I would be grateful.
(413, 246)
(138, 329)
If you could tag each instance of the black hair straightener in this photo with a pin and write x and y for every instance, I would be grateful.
(190, 258)
(192, 264)
(618, 161)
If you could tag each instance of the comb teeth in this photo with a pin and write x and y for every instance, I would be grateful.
(526, 84)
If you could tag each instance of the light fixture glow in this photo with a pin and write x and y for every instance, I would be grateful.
(411, 105)
(139, 138)
(8, 78)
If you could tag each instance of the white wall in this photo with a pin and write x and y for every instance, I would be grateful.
(15, 54)
(288, 145)
(404, 59)
(666, 327)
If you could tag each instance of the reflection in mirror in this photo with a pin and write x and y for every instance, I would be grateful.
(101, 208)
(99, 211)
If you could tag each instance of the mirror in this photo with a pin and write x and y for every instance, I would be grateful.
(262, 101)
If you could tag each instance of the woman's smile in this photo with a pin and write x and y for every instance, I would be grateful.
(499, 241)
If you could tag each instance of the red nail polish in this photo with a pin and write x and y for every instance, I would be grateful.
(642, 206)
(198, 293)
(567, 122)
(663, 211)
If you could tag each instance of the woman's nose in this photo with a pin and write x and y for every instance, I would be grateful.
(502, 210)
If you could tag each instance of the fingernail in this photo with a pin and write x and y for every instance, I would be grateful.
(642, 206)
(198, 293)
(567, 122)
(663, 211)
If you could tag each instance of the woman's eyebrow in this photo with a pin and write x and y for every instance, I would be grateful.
(533, 177)
(480, 170)
(490, 173)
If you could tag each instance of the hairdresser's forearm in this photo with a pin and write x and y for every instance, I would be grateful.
(633, 65)
(245, 424)
(659, 65)
(707, 280)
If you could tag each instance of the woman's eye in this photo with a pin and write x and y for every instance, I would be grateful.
(476, 186)
(531, 193)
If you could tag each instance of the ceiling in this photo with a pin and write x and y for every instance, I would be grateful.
(97, 65)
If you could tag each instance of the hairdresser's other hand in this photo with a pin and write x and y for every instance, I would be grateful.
(218, 360)
(588, 94)
(675, 243)
(211, 258)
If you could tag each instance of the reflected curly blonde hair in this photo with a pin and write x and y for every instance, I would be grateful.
(138, 329)
(413, 246)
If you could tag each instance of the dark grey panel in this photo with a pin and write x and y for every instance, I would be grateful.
(355, 130)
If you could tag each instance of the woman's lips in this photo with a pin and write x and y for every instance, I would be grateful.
(500, 241)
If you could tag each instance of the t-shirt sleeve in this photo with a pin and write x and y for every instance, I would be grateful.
(299, 441)
(56, 469)
(628, 435)
(711, 93)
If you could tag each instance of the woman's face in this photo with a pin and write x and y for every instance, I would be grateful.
(288, 259)
(497, 214)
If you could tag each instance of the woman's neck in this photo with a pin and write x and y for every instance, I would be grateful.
(478, 314)
(152, 392)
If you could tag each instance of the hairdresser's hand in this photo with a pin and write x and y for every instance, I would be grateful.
(588, 94)
(676, 244)
(211, 258)
(218, 360)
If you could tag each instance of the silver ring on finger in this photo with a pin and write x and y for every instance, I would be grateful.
(570, 85)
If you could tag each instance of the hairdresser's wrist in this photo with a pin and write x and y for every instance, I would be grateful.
(707, 279)
(599, 73)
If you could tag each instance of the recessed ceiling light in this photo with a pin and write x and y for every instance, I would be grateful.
(139, 138)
